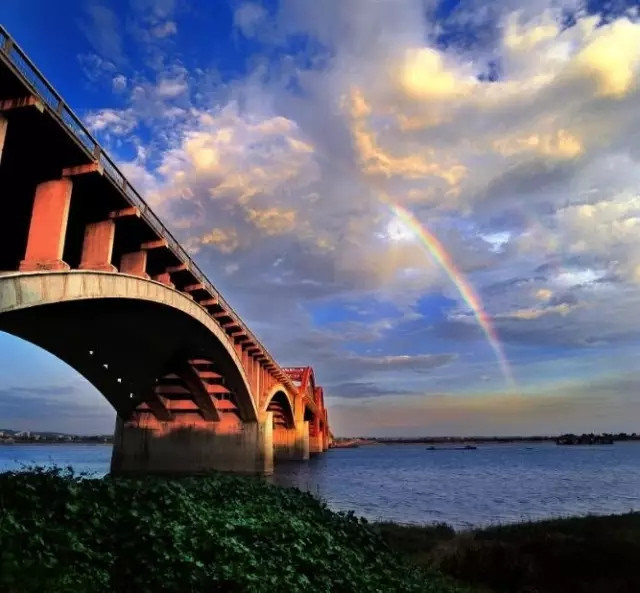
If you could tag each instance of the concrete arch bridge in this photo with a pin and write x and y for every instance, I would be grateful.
(89, 273)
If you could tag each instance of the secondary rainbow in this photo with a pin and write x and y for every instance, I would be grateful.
(443, 259)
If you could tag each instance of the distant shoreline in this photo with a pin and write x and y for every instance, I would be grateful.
(44, 442)
(352, 443)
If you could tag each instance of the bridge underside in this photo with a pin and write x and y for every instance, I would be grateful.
(183, 401)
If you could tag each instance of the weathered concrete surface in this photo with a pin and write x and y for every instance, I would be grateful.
(134, 263)
(97, 246)
(48, 226)
(149, 446)
(291, 444)
(315, 444)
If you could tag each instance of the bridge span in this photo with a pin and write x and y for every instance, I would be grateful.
(90, 274)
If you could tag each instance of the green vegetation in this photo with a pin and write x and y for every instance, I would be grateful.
(575, 555)
(63, 533)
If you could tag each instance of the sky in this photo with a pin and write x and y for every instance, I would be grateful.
(434, 204)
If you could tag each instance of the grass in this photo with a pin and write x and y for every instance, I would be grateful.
(575, 555)
(61, 533)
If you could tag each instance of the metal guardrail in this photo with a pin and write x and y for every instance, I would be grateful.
(35, 80)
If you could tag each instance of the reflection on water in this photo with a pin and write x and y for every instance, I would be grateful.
(410, 484)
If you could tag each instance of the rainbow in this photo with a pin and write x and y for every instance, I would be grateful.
(443, 259)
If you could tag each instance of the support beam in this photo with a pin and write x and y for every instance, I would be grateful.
(209, 302)
(97, 246)
(125, 213)
(17, 103)
(198, 391)
(134, 263)
(178, 268)
(94, 167)
(158, 407)
(48, 227)
(158, 244)
(194, 287)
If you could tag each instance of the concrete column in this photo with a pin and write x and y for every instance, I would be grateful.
(134, 263)
(164, 278)
(97, 246)
(291, 444)
(48, 227)
(3, 133)
(315, 438)
(149, 446)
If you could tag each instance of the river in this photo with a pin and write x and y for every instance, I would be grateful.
(410, 484)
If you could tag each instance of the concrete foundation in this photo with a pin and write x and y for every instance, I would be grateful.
(48, 227)
(192, 446)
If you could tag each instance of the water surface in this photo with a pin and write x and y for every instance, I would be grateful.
(409, 484)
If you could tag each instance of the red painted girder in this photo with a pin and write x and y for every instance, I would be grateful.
(8, 104)
(83, 169)
(157, 244)
(199, 361)
(180, 390)
(125, 212)
(187, 405)
(194, 287)
(209, 302)
(209, 374)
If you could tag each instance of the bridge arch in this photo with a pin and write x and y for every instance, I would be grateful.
(118, 331)
(278, 401)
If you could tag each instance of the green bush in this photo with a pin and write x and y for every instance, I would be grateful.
(63, 533)
(571, 555)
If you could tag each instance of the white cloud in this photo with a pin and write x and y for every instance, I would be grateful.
(529, 181)
(119, 83)
(248, 17)
(165, 29)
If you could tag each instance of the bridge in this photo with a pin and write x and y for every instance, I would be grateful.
(90, 274)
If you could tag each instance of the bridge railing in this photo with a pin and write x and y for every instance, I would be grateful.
(44, 91)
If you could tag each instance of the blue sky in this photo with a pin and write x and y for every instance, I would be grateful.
(271, 138)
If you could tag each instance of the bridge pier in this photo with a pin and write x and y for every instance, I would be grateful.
(316, 441)
(291, 444)
(148, 446)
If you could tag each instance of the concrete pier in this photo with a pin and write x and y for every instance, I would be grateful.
(291, 444)
(149, 446)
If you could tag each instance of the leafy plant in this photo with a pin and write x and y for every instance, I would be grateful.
(62, 532)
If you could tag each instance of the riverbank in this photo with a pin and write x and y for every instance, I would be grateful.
(577, 555)
(61, 533)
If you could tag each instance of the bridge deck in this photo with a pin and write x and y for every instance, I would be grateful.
(44, 138)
